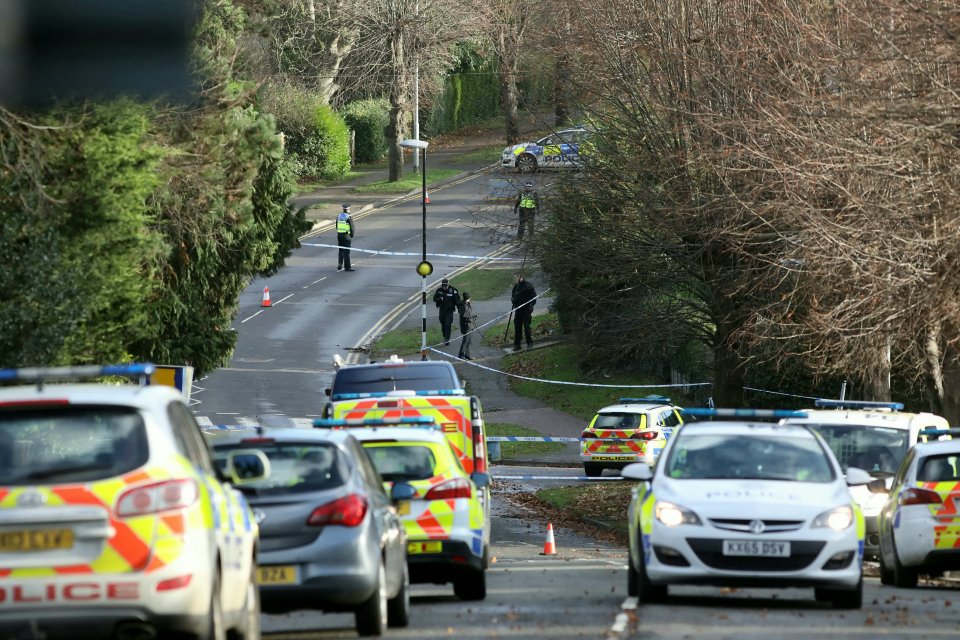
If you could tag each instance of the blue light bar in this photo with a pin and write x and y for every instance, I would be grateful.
(933, 431)
(827, 403)
(40, 374)
(397, 394)
(647, 399)
(413, 421)
(744, 413)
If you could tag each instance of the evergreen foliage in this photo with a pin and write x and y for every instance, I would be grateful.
(368, 119)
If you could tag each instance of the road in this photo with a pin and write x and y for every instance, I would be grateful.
(283, 361)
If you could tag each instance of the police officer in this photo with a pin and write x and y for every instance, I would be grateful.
(523, 296)
(447, 299)
(526, 206)
(345, 231)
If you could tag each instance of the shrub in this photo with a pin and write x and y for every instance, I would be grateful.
(368, 119)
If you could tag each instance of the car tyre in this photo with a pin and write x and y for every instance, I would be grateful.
(633, 577)
(471, 586)
(371, 616)
(647, 592)
(842, 598)
(398, 608)
(592, 469)
(215, 627)
(250, 623)
(526, 163)
(903, 577)
(886, 573)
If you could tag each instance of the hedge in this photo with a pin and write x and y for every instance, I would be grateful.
(368, 120)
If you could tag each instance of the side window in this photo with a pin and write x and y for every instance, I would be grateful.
(670, 418)
(187, 434)
(904, 466)
(366, 468)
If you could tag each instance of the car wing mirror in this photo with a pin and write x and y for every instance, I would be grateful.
(327, 392)
(637, 471)
(480, 479)
(402, 491)
(878, 485)
(246, 466)
(856, 477)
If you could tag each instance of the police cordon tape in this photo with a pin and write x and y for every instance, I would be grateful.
(379, 252)
(565, 478)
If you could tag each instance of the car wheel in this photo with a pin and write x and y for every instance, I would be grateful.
(398, 608)
(647, 592)
(840, 598)
(471, 586)
(633, 578)
(215, 628)
(486, 557)
(903, 577)
(250, 623)
(886, 573)
(371, 616)
(526, 163)
(592, 469)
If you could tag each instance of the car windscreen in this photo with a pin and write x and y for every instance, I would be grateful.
(753, 457)
(620, 421)
(295, 467)
(942, 468)
(877, 450)
(401, 463)
(394, 378)
(70, 444)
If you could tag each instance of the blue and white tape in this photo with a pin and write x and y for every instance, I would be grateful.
(564, 478)
(381, 252)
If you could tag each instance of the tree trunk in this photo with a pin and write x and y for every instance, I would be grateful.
(509, 58)
(729, 367)
(563, 75)
(951, 385)
(397, 124)
(933, 367)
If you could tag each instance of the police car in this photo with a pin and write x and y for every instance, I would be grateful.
(114, 521)
(919, 524)
(873, 436)
(447, 532)
(746, 503)
(561, 150)
(634, 430)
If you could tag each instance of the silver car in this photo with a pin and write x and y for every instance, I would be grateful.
(330, 537)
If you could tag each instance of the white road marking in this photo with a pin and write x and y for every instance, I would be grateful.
(315, 282)
(204, 421)
(251, 317)
(620, 623)
(282, 299)
(448, 223)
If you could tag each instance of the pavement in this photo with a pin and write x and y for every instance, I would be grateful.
(501, 404)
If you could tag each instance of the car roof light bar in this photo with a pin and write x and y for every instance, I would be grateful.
(400, 393)
(410, 421)
(933, 431)
(744, 413)
(828, 403)
(85, 372)
(646, 400)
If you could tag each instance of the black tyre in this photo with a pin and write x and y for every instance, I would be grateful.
(633, 578)
(592, 469)
(249, 628)
(903, 577)
(526, 163)
(647, 592)
(371, 616)
(886, 573)
(471, 586)
(398, 607)
(842, 598)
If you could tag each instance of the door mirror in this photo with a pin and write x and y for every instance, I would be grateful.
(637, 471)
(402, 491)
(245, 466)
(857, 477)
(480, 479)
(327, 392)
(878, 486)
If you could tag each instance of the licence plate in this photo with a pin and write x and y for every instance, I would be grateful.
(36, 540)
(424, 547)
(286, 574)
(767, 549)
(403, 508)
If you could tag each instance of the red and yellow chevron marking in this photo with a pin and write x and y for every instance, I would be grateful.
(600, 446)
(947, 534)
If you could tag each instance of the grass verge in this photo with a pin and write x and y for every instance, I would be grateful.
(308, 186)
(406, 342)
(509, 450)
(409, 182)
(600, 502)
(484, 284)
(488, 155)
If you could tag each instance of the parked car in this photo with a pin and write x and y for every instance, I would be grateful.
(873, 436)
(920, 523)
(448, 532)
(330, 537)
(744, 503)
(114, 521)
(392, 375)
(560, 150)
(633, 430)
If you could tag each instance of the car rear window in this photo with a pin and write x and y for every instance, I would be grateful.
(392, 377)
(619, 421)
(295, 467)
(70, 444)
(939, 469)
(402, 463)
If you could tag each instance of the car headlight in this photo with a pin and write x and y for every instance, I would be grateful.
(838, 519)
(674, 515)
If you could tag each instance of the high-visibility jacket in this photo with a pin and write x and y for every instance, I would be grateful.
(345, 224)
(528, 201)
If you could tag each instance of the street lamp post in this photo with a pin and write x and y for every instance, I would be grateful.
(424, 269)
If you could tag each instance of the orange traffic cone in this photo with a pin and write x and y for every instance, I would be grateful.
(266, 297)
(549, 546)
(426, 197)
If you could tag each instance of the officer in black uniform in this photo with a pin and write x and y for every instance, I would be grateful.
(447, 299)
(345, 231)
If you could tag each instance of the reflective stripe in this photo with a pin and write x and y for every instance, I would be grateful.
(343, 223)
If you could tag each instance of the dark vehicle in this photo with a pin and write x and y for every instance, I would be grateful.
(393, 375)
(330, 537)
